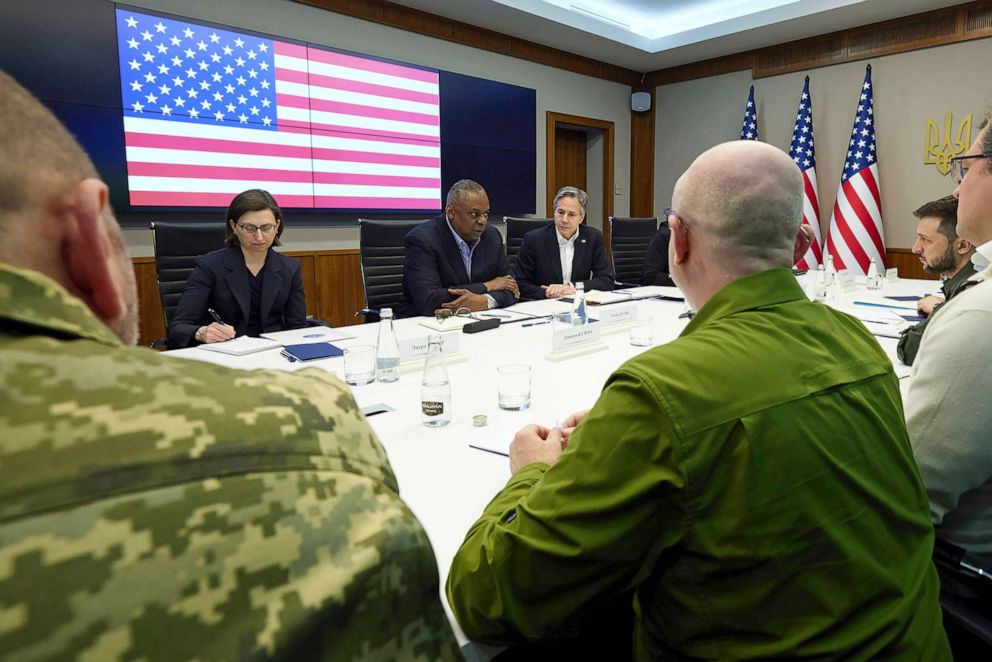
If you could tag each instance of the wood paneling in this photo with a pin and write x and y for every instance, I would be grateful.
(413, 20)
(332, 282)
(570, 159)
(908, 264)
(934, 28)
(642, 161)
(151, 321)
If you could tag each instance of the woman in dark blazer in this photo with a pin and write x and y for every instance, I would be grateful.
(251, 288)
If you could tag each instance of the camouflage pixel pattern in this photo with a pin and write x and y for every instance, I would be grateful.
(163, 509)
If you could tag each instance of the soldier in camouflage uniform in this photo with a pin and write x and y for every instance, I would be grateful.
(164, 509)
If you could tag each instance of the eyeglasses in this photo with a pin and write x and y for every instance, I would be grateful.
(442, 314)
(958, 170)
(247, 228)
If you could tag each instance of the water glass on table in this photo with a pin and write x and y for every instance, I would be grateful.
(359, 365)
(514, 387)
(642, 332)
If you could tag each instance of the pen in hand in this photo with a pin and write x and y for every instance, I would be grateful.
(213, 313)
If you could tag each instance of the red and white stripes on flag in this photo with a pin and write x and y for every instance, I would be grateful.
(209, 113)
(803, 153)
(855, 237)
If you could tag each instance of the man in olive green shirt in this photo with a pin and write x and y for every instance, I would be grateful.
(941, 251)
(751, 481)
(160, 509)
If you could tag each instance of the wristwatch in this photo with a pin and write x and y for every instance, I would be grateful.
(490, 300)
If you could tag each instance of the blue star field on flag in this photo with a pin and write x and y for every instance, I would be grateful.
(861, 149)
(190, 73)
(749, 130)
(801, 150)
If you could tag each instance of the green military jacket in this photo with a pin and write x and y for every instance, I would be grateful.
(909, 340)
(162, 509)
(751, 480)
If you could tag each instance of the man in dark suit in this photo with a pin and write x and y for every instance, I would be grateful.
(456, 260)
(656, 260)
(567, 247)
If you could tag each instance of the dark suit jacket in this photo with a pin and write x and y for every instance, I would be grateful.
(539, 262)
(220, 281)
(432, 264)
(656, 261)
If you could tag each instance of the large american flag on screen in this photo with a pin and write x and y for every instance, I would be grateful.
(855, 235)
(804, 154)
(749, 129)
(209, 113)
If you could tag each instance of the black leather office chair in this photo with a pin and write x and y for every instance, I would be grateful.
(177, 245)
(966, 600)
(629, 240)
(516, 228)
(381, 247)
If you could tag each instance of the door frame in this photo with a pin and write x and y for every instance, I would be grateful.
(554, 120)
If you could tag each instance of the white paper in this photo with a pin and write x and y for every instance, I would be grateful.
(310, 334)
(240, 345)
(453, 323)
(654, 291)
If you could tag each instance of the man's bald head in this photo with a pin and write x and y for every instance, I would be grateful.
(55, 213)
(41, 160)
(747, 198)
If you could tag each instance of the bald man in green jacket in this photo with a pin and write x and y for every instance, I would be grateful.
(751, 482)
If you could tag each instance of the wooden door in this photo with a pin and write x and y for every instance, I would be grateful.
(570, 159)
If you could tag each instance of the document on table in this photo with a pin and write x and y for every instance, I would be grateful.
(601, 298)
(453, 323)
(241, 345)
(664, 291)
(308, 334)
(540, 308)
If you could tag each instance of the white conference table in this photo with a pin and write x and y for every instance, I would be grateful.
(446, 482)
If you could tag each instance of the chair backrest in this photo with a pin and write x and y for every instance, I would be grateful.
(629, 240)
(516, 228)
(381, 246)
(177, 245)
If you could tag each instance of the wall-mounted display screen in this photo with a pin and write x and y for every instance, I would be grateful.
(180, 115)
(209, 113)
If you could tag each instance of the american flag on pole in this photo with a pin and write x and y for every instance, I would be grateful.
(749, 131)
(855, 236)
(803, 153)
(209, 113)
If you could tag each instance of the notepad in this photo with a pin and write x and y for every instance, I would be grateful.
(453, 323)
(312, 351)
(601, 298)
(240, 345)
(310, 334)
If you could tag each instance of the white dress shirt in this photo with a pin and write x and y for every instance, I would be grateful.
(566, 251)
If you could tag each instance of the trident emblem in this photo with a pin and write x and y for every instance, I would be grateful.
(939, 153)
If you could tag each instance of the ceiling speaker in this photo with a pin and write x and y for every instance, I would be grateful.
(640, 101)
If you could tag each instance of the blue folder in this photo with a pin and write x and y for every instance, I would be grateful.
(311, 351)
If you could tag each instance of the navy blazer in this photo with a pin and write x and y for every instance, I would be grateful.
(220, 281)
(656, 261)
(432, 264)
(539, 261)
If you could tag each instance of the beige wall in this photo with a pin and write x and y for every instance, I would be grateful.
(557, 90)
(910, 88)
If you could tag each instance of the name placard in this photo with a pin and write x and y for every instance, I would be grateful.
(617, 314)
(892, 274)
(412, 349)
(570, 337)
